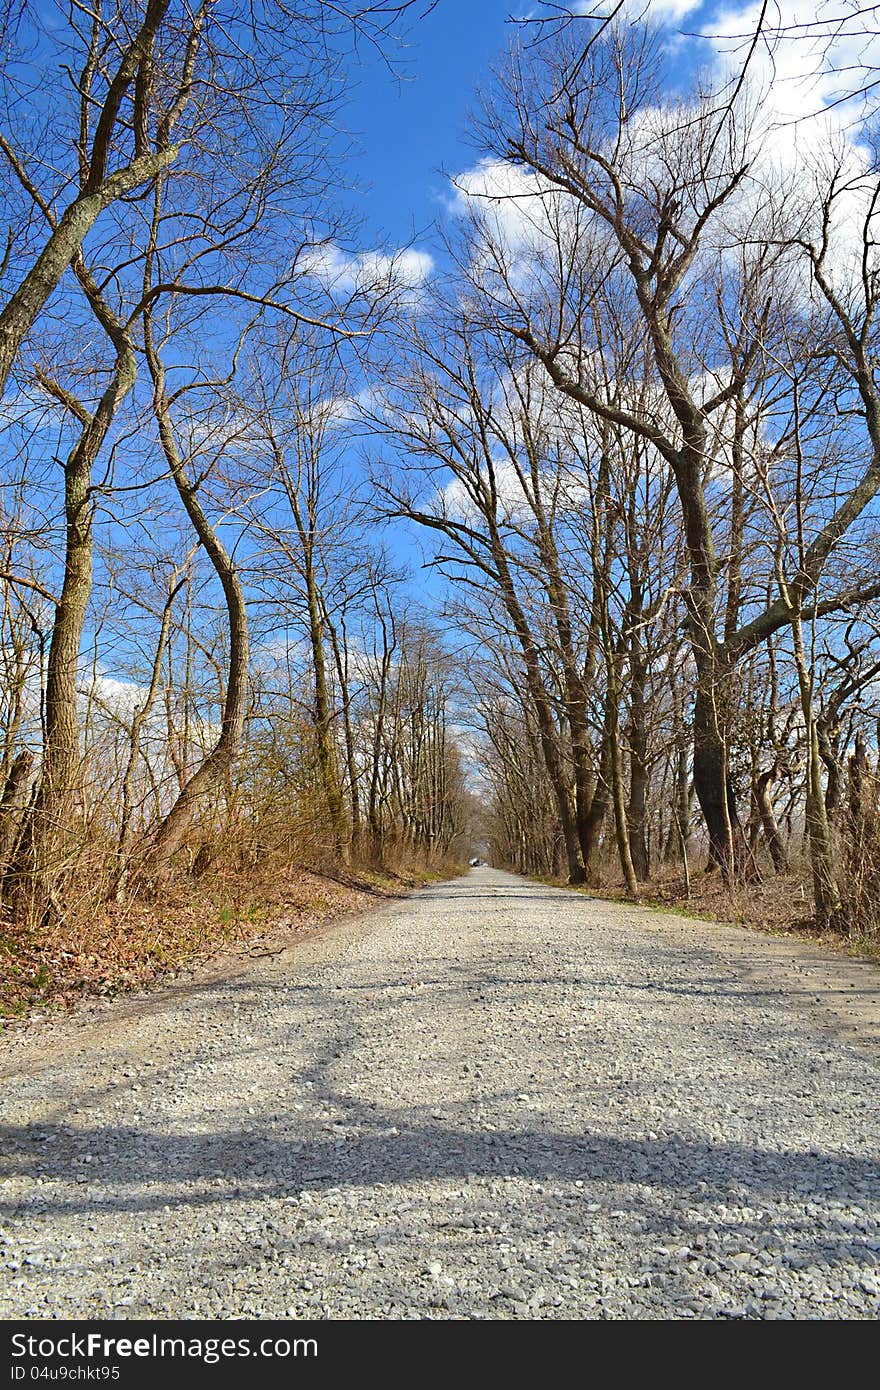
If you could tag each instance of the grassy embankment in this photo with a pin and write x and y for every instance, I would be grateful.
(131, 945)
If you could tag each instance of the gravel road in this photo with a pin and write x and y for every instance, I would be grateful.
(492, 1099)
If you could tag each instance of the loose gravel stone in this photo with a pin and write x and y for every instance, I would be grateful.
(493, 1099)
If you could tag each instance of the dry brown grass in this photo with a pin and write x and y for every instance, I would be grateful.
(780, 905)
(113, 948)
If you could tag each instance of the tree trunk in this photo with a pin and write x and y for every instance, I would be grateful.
(617, 788)
(12, 809)
(683, 797)
(826, 893)
(764, 803)
(67, 237)
(43, 853)
(591, 828)
(198, 790)
(374, 810)
(727, 843)
(324, 720)
(620, 825)
(639, 779)
(52, 814)
(350, 753)
(543, 713)
(575, 692)
(862, 899)
(139, 719)
(833, 771)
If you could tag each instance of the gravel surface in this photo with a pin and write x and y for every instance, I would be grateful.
(493, 1099)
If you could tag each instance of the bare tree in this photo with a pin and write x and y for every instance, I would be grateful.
(648, 184)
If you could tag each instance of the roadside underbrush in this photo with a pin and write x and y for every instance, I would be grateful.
(777, 905)
(111, 948)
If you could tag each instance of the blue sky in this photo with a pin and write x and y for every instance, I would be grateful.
(411, 129)
(408, 130)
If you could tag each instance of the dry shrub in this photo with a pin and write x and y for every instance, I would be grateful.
(252, 882)
(860, 880)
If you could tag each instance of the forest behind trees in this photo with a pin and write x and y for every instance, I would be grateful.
(559, 543)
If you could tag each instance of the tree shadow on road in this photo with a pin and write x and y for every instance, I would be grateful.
(148, 1171)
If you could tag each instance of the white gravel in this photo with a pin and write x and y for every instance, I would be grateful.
(494, 1099)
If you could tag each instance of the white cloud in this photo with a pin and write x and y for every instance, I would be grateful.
(121, 698)
(521, 216)
(671, 11)
(801, 126)
(513, 507)
(365, 272)
(804, 81)
(350, 409)
(660, 11)
(278, 652)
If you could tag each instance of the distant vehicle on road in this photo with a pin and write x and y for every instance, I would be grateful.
(478, 864)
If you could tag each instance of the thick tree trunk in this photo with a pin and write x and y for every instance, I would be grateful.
(43, 850)
(826, 891)
(53, 811)
(862, 901)
(714, 792)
